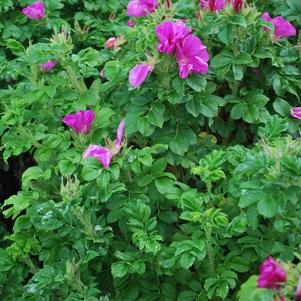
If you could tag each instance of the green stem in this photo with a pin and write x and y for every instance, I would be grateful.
(208, 234)
(31, 265)
(209, 187)
(210, 250)
(79, 85)
(235, 88)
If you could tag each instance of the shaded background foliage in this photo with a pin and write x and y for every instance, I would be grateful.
(208, 185)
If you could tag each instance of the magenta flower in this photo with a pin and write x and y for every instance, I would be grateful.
(169, 34)
(139, 74)
(80, 121)
(266, 17)
(34, 11)
(111, 43)
(141, 8)
(48, 66)
(192, 56)
(130, 23)
(102, 154)
(296, 112)
(212, 5)
(272, 275)
(105, 154)
(119, 135)
(237, 5)
(282, 27)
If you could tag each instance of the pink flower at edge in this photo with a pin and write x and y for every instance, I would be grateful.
(192, 56)
(34, 11)
(141, 8)
(237, 5)
(130, 23)
(212, 5)
(48, 66)
(102, 154)
(80, 121)
(120, 132)
(169, 34)
(272, 275)
(282, 27)
(138, 74)
(105, 154)
(296, 112)
(298, 290)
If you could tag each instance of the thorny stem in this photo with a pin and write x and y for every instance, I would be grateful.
(235, 88)
(208, 234)
(31, 265)
(209, 186)
(76, 83)
(210, 250)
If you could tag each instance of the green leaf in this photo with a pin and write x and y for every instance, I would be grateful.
(239, 20)
(197, 82)
(210, 105)
(145, 180)
(268, 207)
(222, 290)
(89, 174)
(6, 262)
(178, 85)
(15, 47)
(243, 59)
(34, 173)
(237, 72)
(186, 260)
(66, 167)
(187, 296)
(282, 107)
(119, 269)
(159, 166)
(144, 126)
(156, 115)
(221, 60)
(226, 34)
(238, 110)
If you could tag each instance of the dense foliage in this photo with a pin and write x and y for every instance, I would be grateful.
(203, 186)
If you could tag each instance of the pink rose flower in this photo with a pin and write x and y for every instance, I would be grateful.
(139, 74)
(141, 8)
(296, 112)
(102, 154)
(169, 34)
(48, 66)
(80, 121)
(34, 11)
(266, 17)
(272, 275)
(130, 23)
(282, 27)
(105, 154)
(192, 56)
(111, 43)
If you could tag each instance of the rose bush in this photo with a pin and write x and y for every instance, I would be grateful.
(200, 184)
